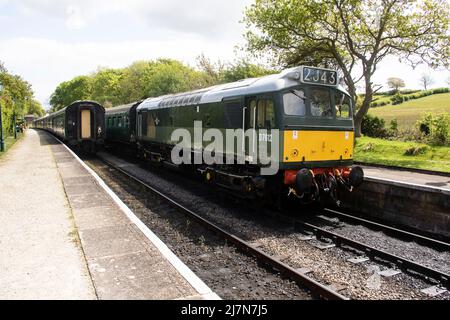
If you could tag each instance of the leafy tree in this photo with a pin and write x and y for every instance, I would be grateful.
(79, 88)
(243, 69)
(16, 98)
(351, 35)
(395, 83)
(213, 71)
(105, 86)
(425, 80)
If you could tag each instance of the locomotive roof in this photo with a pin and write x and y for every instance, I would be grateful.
(274, 82)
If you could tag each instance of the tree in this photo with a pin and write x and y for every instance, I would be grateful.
(351, 35)
(242, 69)
(79, 88)
(425, 80)
(16, 98)
(395, 83)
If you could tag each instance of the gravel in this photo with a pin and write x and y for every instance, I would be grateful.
(227, 272)
(329, 266)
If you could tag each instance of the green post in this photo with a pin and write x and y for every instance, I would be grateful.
(15, 129)
(2, 140)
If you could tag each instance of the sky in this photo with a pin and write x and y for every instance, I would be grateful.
(51, 41)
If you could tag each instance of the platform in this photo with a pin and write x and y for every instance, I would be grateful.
(414, 179)
(65, 235)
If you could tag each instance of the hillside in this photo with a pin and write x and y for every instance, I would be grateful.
(407, 113)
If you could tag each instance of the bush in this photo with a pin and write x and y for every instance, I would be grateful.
(424, 124)
(440, 129)
(436, 128)
(397, 99)
(440, 90)
(373, 126)
(394, 125)
(414, 151)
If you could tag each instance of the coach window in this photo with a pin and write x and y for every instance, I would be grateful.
(342, 103)
(294, 103)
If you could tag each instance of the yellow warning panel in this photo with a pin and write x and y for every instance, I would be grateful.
(85, 124)
(305, 145)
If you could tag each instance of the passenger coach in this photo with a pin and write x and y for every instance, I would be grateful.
(81, 125)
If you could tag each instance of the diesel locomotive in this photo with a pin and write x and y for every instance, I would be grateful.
(81, 125)
(305, 108)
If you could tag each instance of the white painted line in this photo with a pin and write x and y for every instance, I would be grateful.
(184, 270)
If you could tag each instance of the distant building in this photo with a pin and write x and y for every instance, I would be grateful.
(29, 119)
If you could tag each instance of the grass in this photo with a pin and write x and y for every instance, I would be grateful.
(9, 142)
(407, 113)
(385, 152)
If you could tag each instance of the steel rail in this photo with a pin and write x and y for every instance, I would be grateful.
(316, 288)
(430, 242)
(373, 253)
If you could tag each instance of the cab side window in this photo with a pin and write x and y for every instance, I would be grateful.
(342, 103)
(265, 114)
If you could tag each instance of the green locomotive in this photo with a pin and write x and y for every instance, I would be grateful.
(301, 118)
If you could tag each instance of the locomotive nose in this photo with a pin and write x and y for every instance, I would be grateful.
(304, 180)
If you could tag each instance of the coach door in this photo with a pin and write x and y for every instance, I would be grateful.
(85, 124)
(249, 126)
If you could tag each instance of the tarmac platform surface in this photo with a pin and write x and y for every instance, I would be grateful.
(434, 181)
(65, 236)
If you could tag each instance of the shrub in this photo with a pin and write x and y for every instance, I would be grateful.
(440, 90)
(397, 99)
(440, 129)
(414, 150)
(424, 123)
(373, 126)
(436, 128)
(394, 125)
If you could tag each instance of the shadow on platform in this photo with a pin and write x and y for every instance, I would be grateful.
(46, 138)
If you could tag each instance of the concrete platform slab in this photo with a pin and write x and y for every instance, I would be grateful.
(433, 181)
(124, 262)
(67, 236)
(39, 254)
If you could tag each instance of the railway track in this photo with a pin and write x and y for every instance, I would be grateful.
(398, 233)
(317, 289)
(375, 254)
(275, 261)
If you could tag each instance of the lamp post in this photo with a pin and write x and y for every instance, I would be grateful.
(2, 140)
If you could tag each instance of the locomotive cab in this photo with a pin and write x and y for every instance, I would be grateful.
(317, 139)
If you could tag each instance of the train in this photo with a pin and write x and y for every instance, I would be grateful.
(81, 125)
(301, 119)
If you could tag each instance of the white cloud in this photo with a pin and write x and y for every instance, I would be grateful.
(46, 63)
(206, 17)
(75, 19)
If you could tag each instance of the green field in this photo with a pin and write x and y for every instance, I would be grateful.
(407, 113)
(379, 151)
